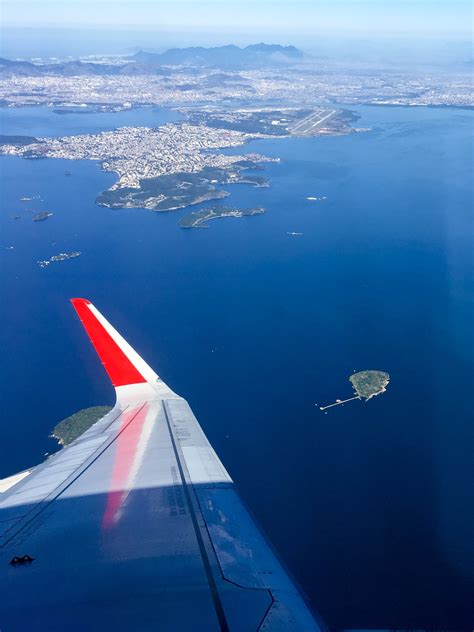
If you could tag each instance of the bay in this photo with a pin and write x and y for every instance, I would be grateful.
(371, 505)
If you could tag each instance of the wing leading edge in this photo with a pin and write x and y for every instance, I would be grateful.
(137, 524)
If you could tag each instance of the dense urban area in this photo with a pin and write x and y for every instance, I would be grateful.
(227, 96)
(259, 74)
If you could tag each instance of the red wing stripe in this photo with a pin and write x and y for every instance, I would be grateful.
(119, 368)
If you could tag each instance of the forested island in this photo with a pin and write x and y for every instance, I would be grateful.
(367, 384)
(69, 429)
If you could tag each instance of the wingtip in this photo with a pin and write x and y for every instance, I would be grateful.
(122, 363)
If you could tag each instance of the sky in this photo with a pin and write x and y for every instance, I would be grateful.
(452, 17)
(124, 24)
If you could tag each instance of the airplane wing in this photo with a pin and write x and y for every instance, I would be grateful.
(137, 525)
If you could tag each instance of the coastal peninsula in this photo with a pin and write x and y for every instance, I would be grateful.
(159, 169)
(176, 165)
(290, 121)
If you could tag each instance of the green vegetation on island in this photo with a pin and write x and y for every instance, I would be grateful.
(366, 384)
(69, 429)
(199, 219)
(178, 190)
(17, 140)
(250, 121)
(277, 122)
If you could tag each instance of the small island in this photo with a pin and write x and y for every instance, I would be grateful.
(69, 429)
(40, 217)
(367, 384)
(29, 198)
(62, 256)
(199, 219)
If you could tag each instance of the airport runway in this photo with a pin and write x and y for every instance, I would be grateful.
(310, 123)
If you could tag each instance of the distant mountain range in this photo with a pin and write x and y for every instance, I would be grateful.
(222, 57)
(226, 57)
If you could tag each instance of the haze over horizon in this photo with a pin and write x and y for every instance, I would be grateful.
(342, 28)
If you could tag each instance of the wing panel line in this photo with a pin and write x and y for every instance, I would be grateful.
(43, 504)
(202, 547)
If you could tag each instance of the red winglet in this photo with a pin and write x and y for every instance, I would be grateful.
(118, 366)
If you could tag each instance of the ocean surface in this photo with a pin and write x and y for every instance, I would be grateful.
(371, 505)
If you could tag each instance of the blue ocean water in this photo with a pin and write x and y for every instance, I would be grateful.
(370, 505)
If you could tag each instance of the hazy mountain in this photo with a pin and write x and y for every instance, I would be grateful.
(7, 66)
(223, 57)
(68, 69)
(226, 57)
